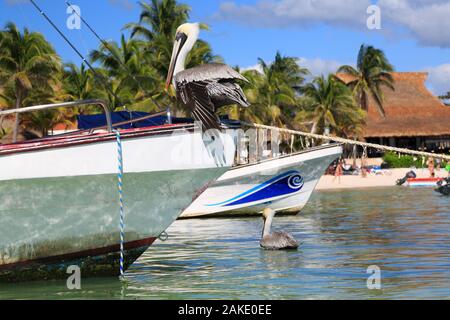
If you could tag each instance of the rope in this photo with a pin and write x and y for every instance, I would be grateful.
(120, 186)
(351, 142)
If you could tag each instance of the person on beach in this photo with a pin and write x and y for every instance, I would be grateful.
(363, 168)
(438, 165)
(431, 166)
(339, 171)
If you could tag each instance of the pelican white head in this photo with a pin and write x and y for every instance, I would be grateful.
(185, 38)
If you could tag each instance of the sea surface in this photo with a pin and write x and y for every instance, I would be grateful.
(404, 232)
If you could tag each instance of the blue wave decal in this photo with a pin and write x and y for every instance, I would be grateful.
(281, 185)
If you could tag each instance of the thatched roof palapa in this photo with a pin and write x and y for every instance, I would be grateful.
(411, 110)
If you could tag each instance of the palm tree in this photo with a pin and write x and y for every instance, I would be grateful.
(371, 74)
(254, 113)
(124, 65)
(288, 70)
(27, 62)
(157, 25)
(159, 17)
(331, 106)
(273, 93)
(121, 60)
(78, 82)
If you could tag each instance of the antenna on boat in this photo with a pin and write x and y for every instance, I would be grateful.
(107, 46)
(96, 74)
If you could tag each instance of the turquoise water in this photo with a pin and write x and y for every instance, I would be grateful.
(403, 231)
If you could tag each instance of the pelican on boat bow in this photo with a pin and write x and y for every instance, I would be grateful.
(204, 88)
(59, 203)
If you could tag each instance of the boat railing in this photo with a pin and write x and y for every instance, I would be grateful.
(71, 104)
(122, 123)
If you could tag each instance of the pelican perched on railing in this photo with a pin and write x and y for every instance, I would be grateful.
(205, 88)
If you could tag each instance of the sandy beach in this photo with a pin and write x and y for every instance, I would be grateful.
(388, 178)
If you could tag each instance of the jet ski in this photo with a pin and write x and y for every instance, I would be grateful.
(443, 187)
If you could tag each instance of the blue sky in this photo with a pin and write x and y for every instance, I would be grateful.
(415, 34)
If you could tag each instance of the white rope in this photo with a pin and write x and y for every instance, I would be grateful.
(352, 142)
(122, 214)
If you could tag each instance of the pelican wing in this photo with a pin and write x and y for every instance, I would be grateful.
(225, 93)
(208, 72)
(195, 95)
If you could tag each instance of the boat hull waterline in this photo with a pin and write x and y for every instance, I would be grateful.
(283, 185)
(51, 221)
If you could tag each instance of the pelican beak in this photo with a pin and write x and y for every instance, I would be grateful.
(180, 40)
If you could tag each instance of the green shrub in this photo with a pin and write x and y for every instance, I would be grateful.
(404, 161)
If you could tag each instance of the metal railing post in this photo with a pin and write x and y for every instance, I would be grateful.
(72, 104)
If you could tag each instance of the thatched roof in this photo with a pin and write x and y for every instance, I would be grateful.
(411, 110)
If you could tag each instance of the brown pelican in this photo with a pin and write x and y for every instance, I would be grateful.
(205, 88)
(276, 240)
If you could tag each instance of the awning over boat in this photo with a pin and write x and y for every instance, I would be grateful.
(86, 122)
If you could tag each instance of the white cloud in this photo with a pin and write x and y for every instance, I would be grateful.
(316, 66)
(126, 4)
(256, 67)
(439, 79)
(285, 13)
(428, 21)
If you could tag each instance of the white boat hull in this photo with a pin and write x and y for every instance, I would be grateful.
(55, 212)
(284, 185)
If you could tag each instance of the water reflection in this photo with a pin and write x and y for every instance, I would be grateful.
(403, 231)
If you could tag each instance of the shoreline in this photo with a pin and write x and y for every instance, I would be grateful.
(388, 179)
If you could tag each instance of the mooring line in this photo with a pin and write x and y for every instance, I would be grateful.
(120, 186)
(350, 142)
(83, 59)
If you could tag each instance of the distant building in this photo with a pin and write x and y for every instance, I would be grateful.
(61, 128)
(415, 118)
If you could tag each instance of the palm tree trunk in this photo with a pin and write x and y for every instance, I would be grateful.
(314, 127)
(16, 120)
(364, 102)
(314, 131)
